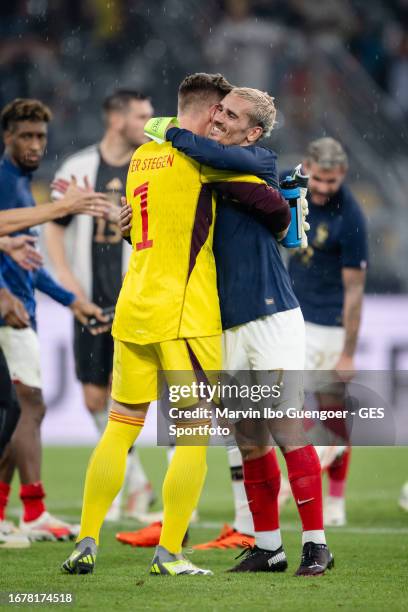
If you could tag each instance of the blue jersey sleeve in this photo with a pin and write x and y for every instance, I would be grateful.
(44, 282)
(3, 284)
(249, 160)
(353, 239)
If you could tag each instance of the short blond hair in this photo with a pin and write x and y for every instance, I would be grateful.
(263, 112)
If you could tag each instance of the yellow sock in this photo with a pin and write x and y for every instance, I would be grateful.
(181, 491)
(106, 471)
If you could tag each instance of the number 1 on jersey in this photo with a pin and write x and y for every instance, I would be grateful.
(142, 191)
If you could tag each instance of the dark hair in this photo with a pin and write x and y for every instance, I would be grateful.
(24, 109)
(121, 98)
(200, 86)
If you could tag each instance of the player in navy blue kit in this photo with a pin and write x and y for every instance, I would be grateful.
(264, 329)
(328, 279)
(24, 125)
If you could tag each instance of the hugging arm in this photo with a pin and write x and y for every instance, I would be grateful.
(267, 203)
(249, 160)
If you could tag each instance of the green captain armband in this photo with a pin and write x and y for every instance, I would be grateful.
(156, 128)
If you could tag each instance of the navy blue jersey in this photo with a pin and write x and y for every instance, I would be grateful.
(15, 192)
(337, 239)
(252, 279)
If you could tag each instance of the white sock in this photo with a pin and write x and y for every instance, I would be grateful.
(170, 452)
(135, 475)
(100, 419)
(243, 518)
(334, 500)
(317, 536)
(268, 540)
(117, 502)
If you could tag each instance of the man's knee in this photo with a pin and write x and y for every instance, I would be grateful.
(133, 410)
(253, 452)
(96, 397)
(31, 402)
(291, 447)
(8, 422)
(288, 433)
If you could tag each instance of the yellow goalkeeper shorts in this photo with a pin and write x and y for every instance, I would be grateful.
(136, 366)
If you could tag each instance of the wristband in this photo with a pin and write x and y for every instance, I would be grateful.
(156, 128)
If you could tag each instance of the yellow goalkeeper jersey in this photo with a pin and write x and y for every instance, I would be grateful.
(170, 288)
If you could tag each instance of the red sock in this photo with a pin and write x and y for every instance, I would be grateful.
(337, 473)
(262, 484)
(32, 496)
(4, 495)
(305, 479)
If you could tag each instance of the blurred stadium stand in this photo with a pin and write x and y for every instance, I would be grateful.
(341, 71)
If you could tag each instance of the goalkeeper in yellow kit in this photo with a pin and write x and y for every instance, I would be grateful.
(167, 317)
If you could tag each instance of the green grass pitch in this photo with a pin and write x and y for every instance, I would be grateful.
(371, 553)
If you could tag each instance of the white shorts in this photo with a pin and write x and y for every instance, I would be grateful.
(324, 345)
(274, 346)
(274, 342)
(22, 352)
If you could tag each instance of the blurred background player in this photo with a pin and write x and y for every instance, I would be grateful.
(90, 258)
(328, 279)
(9, 415)
(22, 249)
(24, 124)
(12, 311)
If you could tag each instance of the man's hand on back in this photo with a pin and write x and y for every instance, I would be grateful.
(125, 218)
